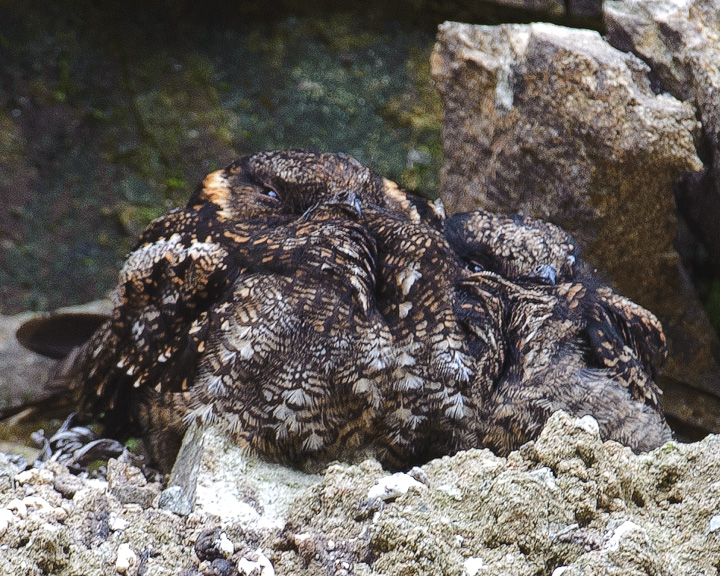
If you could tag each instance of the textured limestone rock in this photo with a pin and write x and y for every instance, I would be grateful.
(555, 123)
(567, 503)
(251, 492)
(680, 41)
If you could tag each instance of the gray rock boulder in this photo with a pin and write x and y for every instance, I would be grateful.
(680, 41)
(23, 373)
(557, 124)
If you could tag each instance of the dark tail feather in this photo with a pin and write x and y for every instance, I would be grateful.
(61, 336)
(59, 397)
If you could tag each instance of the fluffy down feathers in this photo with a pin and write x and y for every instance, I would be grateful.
(566, 341)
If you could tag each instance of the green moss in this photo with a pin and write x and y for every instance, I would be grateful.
(134, 445)
(712, 304)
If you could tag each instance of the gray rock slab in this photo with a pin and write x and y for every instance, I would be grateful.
(680, 41)
(23, 374)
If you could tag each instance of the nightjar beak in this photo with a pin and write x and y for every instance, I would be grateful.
(545, 273)
(354, 202)
(350, 200)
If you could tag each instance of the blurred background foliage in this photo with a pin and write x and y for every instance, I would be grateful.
(111, 113)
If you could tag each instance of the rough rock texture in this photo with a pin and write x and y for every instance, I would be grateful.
(680, 41)
(566, 503)
(23, 373)
(555, 123)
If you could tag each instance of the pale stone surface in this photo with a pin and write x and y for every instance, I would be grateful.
(555, 123)
(680, 41)
(22, 372)
(567, 504)
(251, 492)
(392, 487)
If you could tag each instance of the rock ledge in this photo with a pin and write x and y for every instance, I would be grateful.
(567, 503)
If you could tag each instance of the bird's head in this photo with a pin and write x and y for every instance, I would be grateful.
(516, 247)
(290, 182)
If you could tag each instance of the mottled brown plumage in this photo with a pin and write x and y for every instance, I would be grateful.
(550, 337)
(255, 307)
(418, 401)
(294, 359)
(518, 248)
(316, 311)
(428, 408)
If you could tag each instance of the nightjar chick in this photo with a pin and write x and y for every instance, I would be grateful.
(551, 337)
(426, 406)
(252, 306)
